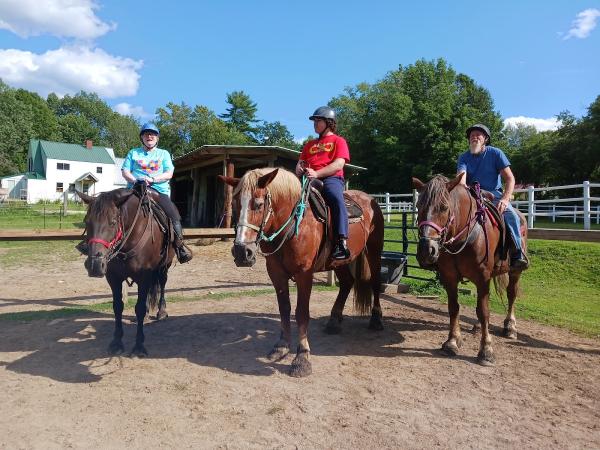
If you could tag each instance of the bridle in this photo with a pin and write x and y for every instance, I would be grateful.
(469, 228)
(297, 213)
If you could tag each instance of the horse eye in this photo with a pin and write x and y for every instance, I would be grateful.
(258, 203)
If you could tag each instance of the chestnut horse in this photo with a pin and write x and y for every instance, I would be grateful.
(126, 242)
(271, 219)
(455, 241)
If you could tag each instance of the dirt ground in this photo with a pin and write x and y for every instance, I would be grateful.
(206, 383)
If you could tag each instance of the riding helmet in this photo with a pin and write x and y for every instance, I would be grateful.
(149, 126)
(480, 127)
(323, 112)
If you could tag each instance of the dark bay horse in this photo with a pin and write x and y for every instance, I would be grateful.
(126, 241)
(453, 241)
(266, 202)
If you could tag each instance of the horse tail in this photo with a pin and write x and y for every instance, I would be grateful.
(153, 293)
(363, 293)
(500, 284)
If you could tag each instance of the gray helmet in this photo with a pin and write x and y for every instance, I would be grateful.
(323, 112)
(480, 127)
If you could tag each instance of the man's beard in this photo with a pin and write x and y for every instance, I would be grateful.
(475, 148)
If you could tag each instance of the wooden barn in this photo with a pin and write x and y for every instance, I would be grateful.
(202, 199)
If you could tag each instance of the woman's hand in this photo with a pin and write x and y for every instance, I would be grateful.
(502, 205)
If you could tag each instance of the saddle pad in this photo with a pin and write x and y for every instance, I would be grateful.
(319, 207)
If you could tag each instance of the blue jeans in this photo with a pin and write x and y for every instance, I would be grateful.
(512, 221)
(333, 192)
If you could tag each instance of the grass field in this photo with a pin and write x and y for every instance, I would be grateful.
(561, 288)
(41, 216)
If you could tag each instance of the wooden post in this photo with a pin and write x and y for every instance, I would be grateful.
(194, 219)
(227, 208)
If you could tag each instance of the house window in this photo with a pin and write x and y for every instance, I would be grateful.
(71, 187)
(63, 166)
(98, 169)
(59, 187)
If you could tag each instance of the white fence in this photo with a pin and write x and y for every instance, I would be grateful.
(584, 207)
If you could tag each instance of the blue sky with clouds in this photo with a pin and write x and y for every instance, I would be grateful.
(537, 58)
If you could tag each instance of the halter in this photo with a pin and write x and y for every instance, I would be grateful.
(478, 217)
(110, 244)
(297, 213)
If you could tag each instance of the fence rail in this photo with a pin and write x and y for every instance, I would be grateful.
(585, 207)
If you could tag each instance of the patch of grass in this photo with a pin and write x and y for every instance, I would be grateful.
(18, 253)
(40, 216)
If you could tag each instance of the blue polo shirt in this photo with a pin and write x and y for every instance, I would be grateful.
(484, 167)
(141, 162)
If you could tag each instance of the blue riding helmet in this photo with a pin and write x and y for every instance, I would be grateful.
(149, 127)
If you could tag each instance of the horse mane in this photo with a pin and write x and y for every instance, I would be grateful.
(284, 186)
(435, 196)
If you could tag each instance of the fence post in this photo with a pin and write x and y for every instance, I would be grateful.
(530, 206)
(575, 214)
(388, 206)
(405, 241)
(44, 215)
(414, 205)
(586, 205)
(553, 213)
(598, 215)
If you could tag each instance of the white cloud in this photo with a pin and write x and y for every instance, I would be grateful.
(66, 18)
(69, 70)
(539, 124)
(127, 109)
(583, 25)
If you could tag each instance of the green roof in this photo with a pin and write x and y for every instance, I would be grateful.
(34, 176)
(75, 152)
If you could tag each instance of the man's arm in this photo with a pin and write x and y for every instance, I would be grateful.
(509, 186)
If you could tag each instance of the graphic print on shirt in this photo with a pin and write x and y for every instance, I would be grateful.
(320, 147)
(148, 166)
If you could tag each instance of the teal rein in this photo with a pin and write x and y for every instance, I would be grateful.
(297, 213)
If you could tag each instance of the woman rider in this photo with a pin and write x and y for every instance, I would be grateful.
(324, 158)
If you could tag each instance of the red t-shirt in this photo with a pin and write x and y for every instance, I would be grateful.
(319, 153)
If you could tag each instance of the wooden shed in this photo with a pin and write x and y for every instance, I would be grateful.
(202, 199)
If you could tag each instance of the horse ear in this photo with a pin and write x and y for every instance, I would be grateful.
(418, 184)
(229, 180)
(121, 196)
(265, 180)
(453, 183)
(87, 199)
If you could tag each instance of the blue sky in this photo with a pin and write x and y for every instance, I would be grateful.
(537, 58)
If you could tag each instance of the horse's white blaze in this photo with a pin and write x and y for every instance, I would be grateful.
(243, 235)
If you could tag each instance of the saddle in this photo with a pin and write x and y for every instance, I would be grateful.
(505, 239)
(321, 210)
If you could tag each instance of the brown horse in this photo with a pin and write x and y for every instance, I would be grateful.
(266, 202)
(455, 242)
(126, 242)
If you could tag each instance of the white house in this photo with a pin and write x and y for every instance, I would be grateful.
(55, 168)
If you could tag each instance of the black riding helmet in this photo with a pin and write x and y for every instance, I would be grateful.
(480, 127)
(323, 112)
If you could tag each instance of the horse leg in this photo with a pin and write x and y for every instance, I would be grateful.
(346, 281)
(140, 314)
(454, 341)
(116, 285)
(485, 357)
(301, 366)
(161, 314)
(510, 323)
(374, 249)
(280, 281)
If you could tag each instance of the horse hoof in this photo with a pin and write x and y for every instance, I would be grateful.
(139, 351)
(116, 348)
(301, 366)
(450, 347)
(278, 353)
(375, 324)
(509, 333)
(486, 358)
(161, 315)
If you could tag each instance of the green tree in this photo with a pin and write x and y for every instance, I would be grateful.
(122, 134)
(16, 128)
(45, 124)
(275, 133)
(241, 114)
(174, 122)
(412, 122)
(208, 129)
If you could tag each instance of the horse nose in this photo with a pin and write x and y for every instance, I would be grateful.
(427, 251)
(95, 266)
(244, 254)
